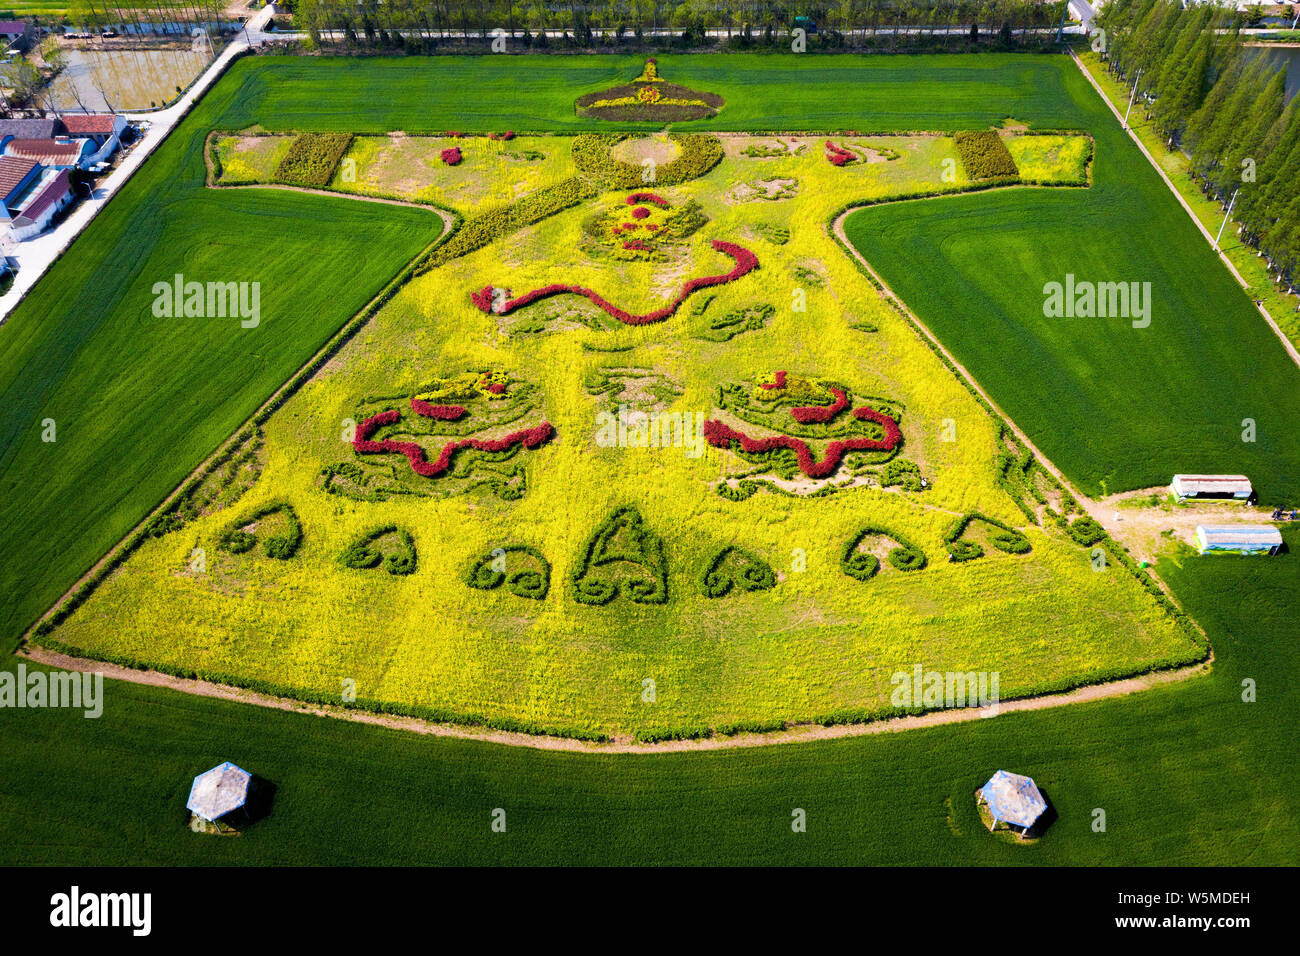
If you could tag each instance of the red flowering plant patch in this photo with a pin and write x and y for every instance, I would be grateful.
(806, 412)
(451, 155)
(466, 430)
(746, 262)
(641, 213)
(838, 155)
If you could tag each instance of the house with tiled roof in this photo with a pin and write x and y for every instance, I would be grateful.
(50, 196)
(103, 129)
(29, 129)
(56, 153)
(17, 178)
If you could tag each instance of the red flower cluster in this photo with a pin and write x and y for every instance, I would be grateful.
(655, 198)
(529, 437)
(637, 244)
(720, 435)
(810, 414)
(507, 135)
(838, 155)
(451, 156)
(746, 262)
(443, 413)
(454, 135)
(779, 383)
(640, 212)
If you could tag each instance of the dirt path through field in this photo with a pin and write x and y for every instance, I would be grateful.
(801, 733)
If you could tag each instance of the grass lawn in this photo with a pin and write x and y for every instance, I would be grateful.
(1115, 407)
(1187, 775)
(137, 401)
(1282, 306)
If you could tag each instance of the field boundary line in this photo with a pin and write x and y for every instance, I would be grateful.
(796, 733)
(129, 541)
(448, 218)
(1223, 257)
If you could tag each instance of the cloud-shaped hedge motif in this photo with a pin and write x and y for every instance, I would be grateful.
(236, 538)
(734, 567)
(1001, 536)
(521, 568)
(622, 556)
(391, 546)
(862, 565)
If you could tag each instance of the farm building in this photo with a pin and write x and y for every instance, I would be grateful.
(104, 130)
(51, 194)
(1012, 799)
(17, 35)
(17, 179)
(219, 792)
(1239, 539)
(1211, 487)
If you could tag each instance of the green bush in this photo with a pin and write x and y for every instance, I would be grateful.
(984, 155)
(1003, 537)
(532, 583)
(856, 564)
(366, 551)
(735, 567)
(312, 159)
(1086, 531)
(235, 540)
(700, 152)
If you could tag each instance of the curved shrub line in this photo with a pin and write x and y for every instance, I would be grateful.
(820, 414)
(234, 540)
(595, 591)
(361, 443)
(362, 555)
(754, 574)
(906, 557)
(1004, 538)
(655, 198)
(720, 435)
(746, 262)
(443, 413)
(525, 584)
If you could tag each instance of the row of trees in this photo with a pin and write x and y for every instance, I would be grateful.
(843, 23)
(1223, 103)
(157, 16)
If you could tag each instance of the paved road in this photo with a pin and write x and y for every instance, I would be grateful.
(35, 256)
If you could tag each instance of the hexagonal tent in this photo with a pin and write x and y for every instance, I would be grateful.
(218, 792)
(1013, 799)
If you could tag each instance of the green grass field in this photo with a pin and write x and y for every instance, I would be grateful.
(1115, 407)
(1188, 774)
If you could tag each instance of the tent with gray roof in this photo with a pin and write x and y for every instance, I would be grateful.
(220, 791)
(1013, 799)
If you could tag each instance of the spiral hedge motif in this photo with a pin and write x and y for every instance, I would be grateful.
(1001, 536)
(235, 540)
(366, 551)
(734, 567)
(862, 566)
(532, 581)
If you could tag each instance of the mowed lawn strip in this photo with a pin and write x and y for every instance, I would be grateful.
(1188, 774)
(138, 401)
(1114, 406)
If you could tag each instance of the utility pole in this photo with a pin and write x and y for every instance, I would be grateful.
(1132, 97)
(1226, 217)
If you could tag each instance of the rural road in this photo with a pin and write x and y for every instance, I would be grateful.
(35, 256)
